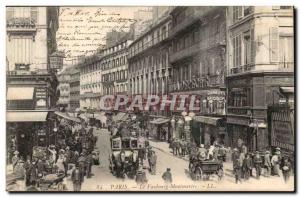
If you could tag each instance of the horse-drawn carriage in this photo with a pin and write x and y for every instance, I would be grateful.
(124, 157)
(203, 169)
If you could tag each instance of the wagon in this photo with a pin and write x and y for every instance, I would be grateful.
(52, 182)
(204, 169)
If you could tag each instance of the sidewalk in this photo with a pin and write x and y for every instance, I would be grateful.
(164, 147)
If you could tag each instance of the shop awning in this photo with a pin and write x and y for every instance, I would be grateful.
(26, 116)
(66, 116)
(160, 121)
(287, 90)
(20, 93)
(208, 120)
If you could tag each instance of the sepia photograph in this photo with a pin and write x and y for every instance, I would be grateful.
(150, 98)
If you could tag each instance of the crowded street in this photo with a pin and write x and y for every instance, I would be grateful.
(154, 98)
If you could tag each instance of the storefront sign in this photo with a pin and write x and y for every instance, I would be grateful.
(192, 84)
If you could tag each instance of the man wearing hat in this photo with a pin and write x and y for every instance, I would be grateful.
(267, 164)
(167, 176)
(257, 161)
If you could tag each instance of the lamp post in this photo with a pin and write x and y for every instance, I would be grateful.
(173, 135)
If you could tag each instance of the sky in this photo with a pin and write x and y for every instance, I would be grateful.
(83, 29)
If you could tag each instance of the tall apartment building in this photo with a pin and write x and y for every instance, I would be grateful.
(260, 58)
(148, 58)
(197, 59)
(31, 84)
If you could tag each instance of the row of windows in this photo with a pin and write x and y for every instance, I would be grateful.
(149, 40)
(239, 12)
(119, 75)
(22, 12)
(161, 58)
(281, 48)
(105, 64)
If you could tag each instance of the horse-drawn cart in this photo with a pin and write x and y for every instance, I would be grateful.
(203, 169)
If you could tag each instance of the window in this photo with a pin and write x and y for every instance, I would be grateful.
(247, 10)
(286, 51)
(237, 51)
(247, 48)
(33, 13)
(237, 13)
(9, 13)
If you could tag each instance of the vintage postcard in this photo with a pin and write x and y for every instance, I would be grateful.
(145, 99)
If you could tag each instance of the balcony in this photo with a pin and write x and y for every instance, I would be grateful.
(184, 53)
(184, 25)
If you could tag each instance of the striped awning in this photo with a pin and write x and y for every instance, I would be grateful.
(20, 93)
(26, 116)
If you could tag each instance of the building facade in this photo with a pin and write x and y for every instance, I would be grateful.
(64, 87)
(31, 84)
(148, 58)
(260, 70)
(197, 58)
(91, 82)
(115, 68)
(75, 89)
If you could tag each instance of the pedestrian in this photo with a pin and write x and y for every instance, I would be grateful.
(77, 178)
(275, 163)
(237, 166)
(222, 153)
(15, 159)
(267, 164)
(286, 169)
(61, 161)
(167, 176)
(257, 161)
(152, 163)
(247, 167)
(33, 173)
(68, 156)
(89, 163)
(82, 163)
(53, 154)
(27, 166)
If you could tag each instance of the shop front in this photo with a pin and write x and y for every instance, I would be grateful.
(207, 130)
(29, 129)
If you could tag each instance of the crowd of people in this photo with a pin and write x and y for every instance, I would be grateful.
(73, 154)
(262, 163)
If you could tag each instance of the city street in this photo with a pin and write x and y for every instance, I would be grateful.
(103, 180)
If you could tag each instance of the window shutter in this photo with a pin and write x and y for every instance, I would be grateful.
(253, 46)
(274, 45)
